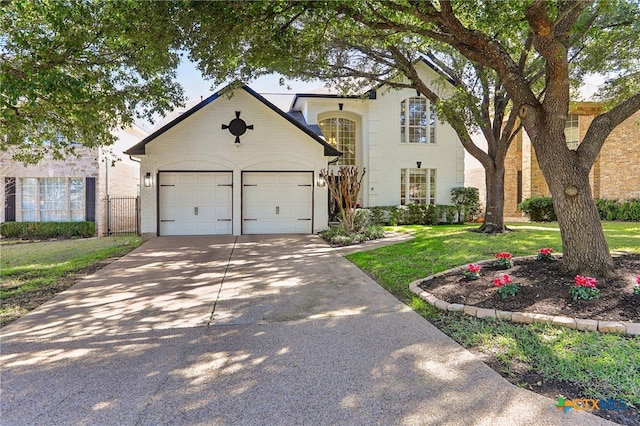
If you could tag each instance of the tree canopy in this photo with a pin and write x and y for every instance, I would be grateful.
(513, 60)
(482, 47)
(71, 72)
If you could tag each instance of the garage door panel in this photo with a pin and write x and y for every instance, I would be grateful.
(195, 203)
(277, 202)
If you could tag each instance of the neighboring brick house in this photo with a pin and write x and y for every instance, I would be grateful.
(75, 189)
(615, 174)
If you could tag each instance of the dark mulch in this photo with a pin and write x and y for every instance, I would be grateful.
(545, 290)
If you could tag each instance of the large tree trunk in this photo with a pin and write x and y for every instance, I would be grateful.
(585, 249)
(494, 209)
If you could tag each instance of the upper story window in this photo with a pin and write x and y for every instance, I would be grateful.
(58, 140)
(572, 131)
(417, 121)
(341, 133)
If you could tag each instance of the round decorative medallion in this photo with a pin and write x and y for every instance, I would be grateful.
(237, 127)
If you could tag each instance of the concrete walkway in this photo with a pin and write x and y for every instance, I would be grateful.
(248, 331)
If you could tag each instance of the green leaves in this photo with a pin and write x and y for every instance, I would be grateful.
(72, 72)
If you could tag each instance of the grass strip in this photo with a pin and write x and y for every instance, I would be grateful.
(32, 272)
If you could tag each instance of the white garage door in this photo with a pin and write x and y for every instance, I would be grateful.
(277, 202)
(195, 203)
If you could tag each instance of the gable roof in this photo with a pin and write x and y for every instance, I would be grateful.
(329, 150)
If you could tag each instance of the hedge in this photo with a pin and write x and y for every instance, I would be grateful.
(36, 230)
(627, 210)
(540, 209)
(414, 214)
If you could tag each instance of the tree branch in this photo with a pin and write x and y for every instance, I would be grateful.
(602, 126)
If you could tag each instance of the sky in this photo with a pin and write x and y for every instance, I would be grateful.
(197, 88)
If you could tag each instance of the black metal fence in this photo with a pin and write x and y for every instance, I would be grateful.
(123, 215)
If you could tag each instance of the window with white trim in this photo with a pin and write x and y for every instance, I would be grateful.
(417, 186)
(572, 131)
(76, 199)
(52, 199)
(341, 133)
(28, 202)
(417, 121)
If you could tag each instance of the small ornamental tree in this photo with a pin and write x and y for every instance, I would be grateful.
(344, 187)
(467, 201)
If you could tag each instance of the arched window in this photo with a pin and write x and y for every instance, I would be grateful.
(417, 121)
(341, 133)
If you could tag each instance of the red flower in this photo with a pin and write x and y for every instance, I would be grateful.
(638, 280)
(498, 282)
(545, 251)
(475, 268)
(503, 255)
(507, 279)
(586, 281)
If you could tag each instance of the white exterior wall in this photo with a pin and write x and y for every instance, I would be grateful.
(123, 172)
(353, 109)
(198, 143)
(387, 155)
(378, 146)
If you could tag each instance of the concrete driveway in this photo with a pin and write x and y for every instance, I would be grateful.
(273, 330)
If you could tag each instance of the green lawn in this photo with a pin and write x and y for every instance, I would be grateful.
(603, 365)
(31, 272)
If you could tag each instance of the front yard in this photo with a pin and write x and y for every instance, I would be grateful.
(545, 359)
(549, 360)
(32, 273)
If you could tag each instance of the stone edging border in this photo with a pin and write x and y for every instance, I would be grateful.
(522, 317)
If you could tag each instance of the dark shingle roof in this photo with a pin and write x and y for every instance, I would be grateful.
(312, 131)
(299, 117)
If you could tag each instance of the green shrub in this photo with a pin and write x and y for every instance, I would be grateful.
(539, 209)
(432, 216)
(467, 202)
(394, 216)
(628, 210)
(36, 230)
(361, 219)
(413, 214)
(607, 209)
(449, 213)
(379, 215)
(338, 235)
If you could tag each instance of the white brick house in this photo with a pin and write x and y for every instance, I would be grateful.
(240, 165)
(75, 189)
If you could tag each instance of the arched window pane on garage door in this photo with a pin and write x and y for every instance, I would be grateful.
(341, 133)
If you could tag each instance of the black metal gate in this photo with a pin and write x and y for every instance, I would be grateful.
(123, 215)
